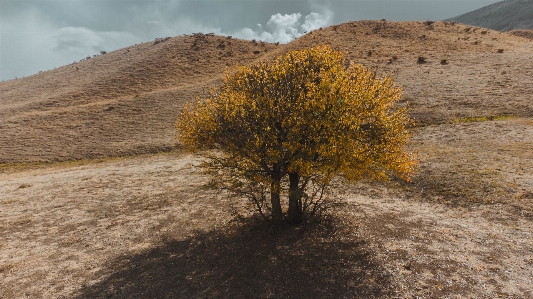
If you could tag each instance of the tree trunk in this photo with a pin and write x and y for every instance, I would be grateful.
(295, 199)
(277, 215)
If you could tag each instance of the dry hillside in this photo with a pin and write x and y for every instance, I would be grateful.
(125, 102)
(120, 103)
(120, 211)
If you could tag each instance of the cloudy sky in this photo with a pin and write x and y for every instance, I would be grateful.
(38, 35)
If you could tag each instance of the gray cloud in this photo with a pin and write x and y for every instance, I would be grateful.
(82, 40)
(37, 35)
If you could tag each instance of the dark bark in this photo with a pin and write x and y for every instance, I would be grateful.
(295, 199)
(277, 215)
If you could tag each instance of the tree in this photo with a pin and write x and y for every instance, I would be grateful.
(285, 128)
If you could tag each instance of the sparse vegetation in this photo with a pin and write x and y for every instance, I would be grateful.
(161, 40)
(23, 186)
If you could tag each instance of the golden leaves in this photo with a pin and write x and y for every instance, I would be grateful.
(306, 112)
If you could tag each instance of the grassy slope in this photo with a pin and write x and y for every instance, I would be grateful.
(125, 102)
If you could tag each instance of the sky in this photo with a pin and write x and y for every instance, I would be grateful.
(39, 35)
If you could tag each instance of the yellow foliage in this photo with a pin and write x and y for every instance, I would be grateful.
(302, 113)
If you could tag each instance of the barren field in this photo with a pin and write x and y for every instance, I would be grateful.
(97, 200)
(145, 227)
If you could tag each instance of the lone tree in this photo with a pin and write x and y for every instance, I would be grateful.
(284, 129)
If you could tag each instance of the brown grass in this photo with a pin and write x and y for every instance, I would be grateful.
(97, 200)
(126, 102)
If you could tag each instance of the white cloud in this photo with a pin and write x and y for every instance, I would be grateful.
(315, 20)
(285, 28)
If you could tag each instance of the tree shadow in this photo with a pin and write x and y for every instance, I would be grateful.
(247, 262)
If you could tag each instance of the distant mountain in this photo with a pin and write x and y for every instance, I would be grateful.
(503, 16)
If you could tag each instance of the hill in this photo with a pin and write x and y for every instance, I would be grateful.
(98, 200)
(502, 16)
(126, 102)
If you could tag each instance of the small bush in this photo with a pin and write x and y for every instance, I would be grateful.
(23, 186)
(421, 60)
(103, 52)
(444, 62)
(500, 51)
(161, 40)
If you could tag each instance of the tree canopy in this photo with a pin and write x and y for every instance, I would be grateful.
(284, 128)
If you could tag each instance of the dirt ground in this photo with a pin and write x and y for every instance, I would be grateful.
(145, 227)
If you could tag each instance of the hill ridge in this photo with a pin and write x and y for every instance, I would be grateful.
(126, 102)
